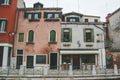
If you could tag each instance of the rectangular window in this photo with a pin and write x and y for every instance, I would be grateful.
(36, 16)
(21, 37)
(95, 20)
(5, 2)
(41, 59)
(67, 35)
(19, 60)
(29, 16)
(73, 19)
(88, 35)
(3, 23)
(86, 20)
(52, 15)
(33, 16)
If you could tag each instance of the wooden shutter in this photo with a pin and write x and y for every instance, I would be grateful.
(92, 35)
(77, 19)
(6, 22)
(25, 15)
(30, 36)
(68, 19)
(60, 15)
(70, 34)
(45, 14)
(52, 36)
(84, 34)
(39, 15)
(62, 35)
(10, 1)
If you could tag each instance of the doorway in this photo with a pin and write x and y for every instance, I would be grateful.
(76, 61)
(30, 61)
(1, 55)
(53, 60)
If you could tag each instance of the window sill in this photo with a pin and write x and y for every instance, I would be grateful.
(89, 45)
(66, 45)
(27, 43)
(52, 42)
(4, 4)
(32, 20)
(52, 19)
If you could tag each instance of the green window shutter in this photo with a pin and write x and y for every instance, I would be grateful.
(84, 34)
(6, 22)
(30, 36)
(21, 37)
(60, 15)
(68, 19)
(39, 15)
(62, 35)
(70, 34)
(10, 1)
(25, 15)
(52, 36)
(92, 35)
(45, 14)
(77, 19)
(1, 1)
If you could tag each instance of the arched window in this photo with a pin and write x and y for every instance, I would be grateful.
(31, 36)
(52, 36)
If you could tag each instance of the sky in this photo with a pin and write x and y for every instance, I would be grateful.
(87, 7)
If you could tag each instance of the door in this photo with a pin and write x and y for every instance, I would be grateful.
(19, 61)
(1, 55)
(30, 61)
(76, 62)
(53, 60)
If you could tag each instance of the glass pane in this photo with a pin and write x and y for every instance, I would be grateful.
(50, 16)
(21, 37)
(40, 59)
(19, 52)
(56, 15)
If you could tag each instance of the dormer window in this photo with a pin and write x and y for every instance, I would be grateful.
(38, 5)
(72, 19)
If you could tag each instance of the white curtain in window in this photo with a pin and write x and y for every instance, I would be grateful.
(2, 29)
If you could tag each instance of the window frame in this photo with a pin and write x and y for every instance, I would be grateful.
(63, 34)
(73, 19)
(55, 35)
(41, 55)
(5, 2)
(3, 24)
(29, 37)
(19, 37)
(91, 35)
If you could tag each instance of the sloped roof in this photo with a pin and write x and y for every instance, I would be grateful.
(73, 13)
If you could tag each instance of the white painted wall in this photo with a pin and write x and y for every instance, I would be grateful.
(77, 35)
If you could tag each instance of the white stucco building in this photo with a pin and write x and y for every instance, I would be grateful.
(82, 41)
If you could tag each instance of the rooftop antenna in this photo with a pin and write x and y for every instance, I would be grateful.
(78, 6)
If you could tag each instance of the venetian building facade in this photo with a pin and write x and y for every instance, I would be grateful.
(38, 37)
(82, 43)
(8, 11)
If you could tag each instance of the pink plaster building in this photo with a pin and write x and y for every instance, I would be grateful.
(38, 37)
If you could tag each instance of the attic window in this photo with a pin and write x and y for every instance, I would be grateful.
(38, 5)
